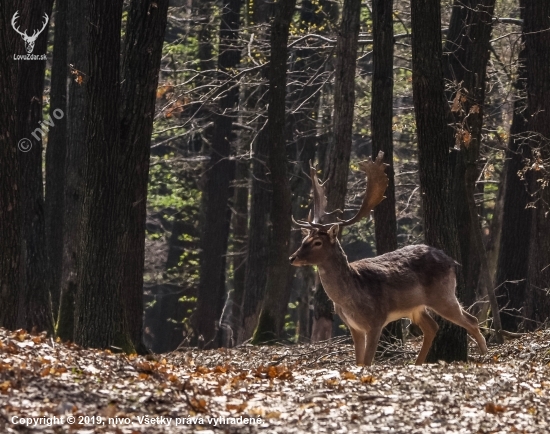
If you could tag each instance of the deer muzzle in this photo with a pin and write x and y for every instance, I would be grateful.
(295, 260)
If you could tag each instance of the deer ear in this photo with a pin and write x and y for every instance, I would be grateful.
(333, 233)
(305, 232)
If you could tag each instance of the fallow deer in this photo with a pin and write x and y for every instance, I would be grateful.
(370, 293)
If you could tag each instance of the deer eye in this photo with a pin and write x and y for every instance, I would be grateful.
(317, 243)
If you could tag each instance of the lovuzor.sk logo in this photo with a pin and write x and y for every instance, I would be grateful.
(29, 40)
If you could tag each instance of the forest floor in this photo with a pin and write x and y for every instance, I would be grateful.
(52, 387)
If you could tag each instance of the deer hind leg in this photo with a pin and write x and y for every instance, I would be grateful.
(373, 336)
(429, 328)
(453, 312)
(359, 342)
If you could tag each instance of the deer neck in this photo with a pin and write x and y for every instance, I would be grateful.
(336, 275)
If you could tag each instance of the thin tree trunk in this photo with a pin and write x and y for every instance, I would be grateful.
(308, 61)
(35, 303)
(140, 75)
(99, 320)
(239, 229)
(272, 318)
(434, 140)
(56, 154)
(258, 239)
(220, 172)
(260, 206)
(10, 187)
(339, 154)
(537, 41)
(323, 319)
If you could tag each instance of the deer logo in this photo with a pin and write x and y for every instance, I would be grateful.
(29, 40)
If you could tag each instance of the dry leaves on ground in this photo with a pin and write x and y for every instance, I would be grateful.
(280, 389)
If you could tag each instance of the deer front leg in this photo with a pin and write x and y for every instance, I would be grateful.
(373, 336)
(359, 342)
(429, 328)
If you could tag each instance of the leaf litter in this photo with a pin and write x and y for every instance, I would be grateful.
(314, 388)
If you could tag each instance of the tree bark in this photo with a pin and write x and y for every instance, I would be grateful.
(337, 163)
(239, 231)
(220, 172)
(434, 140)
(303, 148)
(537, 41)
(35, 303)
(140, 74)
(10, 187)
(385, 220)
(272, 317)
(468, 106)
(465, 62)
(99, 320)
(78, 17)
(257, 257)
(513, 258)
(258, 240)
(56, 153)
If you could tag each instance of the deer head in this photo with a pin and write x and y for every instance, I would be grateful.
(29, 40)
(320, 235)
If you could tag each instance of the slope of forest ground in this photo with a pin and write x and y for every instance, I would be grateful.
(287, 389)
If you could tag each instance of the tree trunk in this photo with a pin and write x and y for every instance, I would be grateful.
(35, 303)
(77, 56)
(56, 153)
(220, 172)
(10, 186)
(140, 73)
(468, 106)
(260, 206)
(339, 154)
(513, 258)
(258, 240)
(308, 63)
(99, 320)
(272, 318)
(537, 41)
(385, 220)
(466, 57)
(239, 229)
(434, 140)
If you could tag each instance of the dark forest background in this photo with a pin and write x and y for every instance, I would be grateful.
(156, 213)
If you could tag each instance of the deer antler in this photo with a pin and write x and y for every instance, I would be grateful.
(315, 219)
(377, 182)
(13, 20)
(37, 32)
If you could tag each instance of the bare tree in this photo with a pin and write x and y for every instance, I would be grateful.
(35, 303)
(10, 191)
(537, 42)
(434, 140)
(338, 158)
(56, 153)
(140, 71)
(99, 317)
(272, 317)
(220, 172)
